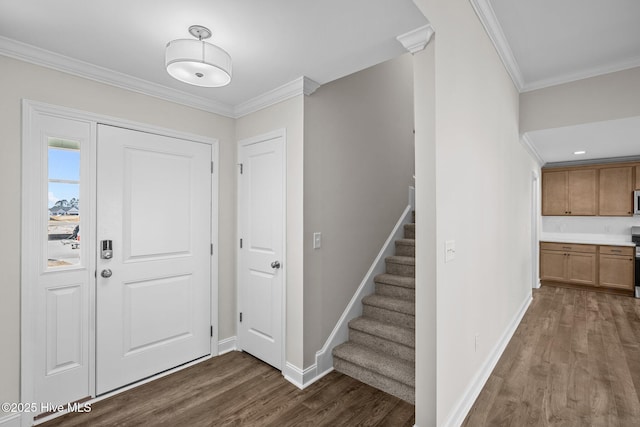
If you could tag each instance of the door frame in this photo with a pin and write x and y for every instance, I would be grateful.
(31, 183)
(535, 222)
(278, 133)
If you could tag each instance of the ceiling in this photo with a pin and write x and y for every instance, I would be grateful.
(274, 43)
(545, 42)
(271, 42)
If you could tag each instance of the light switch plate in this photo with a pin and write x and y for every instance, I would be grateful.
(449, 250)
(317, 240)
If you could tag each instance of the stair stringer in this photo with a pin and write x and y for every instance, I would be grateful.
(340, 333)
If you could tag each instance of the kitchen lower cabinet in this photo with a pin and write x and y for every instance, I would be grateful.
(617, 266)
(596, 267)
(568, 263)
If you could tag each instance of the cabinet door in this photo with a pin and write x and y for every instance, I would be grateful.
(616, 271)
(582, 192)
(553, 265)
(555, 193)
(616, 191)
(581, 268)
(637, 177)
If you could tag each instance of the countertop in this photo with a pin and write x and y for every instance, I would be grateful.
(587, 239)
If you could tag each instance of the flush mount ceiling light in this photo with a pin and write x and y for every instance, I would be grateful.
(577, 153)
(197, 62)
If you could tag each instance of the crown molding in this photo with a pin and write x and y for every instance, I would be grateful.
(416, 40)
(300, 86)
(528, 145)
(490, 23)
(585, 74)
(45, 58)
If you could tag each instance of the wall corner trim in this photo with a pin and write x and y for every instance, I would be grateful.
(416, 40)
(303, 378)
(492, 26)
(226, 345)
(300, 86)
(466, 401)
(531, 149)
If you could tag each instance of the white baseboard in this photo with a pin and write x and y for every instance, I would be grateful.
(226, 345)
(462, 408)
(303, 378)
(11, 420)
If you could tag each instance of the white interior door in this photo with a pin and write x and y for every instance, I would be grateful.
(153, 295)
(261, 258)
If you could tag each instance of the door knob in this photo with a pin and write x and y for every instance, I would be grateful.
(106, 273)
(275, 264)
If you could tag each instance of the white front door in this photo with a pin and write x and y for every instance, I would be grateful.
(261, 257)
(153, 295)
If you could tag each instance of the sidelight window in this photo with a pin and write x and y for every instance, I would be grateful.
(63, 203)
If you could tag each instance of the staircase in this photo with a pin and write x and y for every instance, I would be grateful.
(381, 347)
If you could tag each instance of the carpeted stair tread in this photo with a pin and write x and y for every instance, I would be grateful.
(397, 369)
(398, 334)
(389, 303)
(407, 242)
(395, 280)
(404, 260)
(410, 231)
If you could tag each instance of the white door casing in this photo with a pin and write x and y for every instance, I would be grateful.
(261, 227)
(153, 204)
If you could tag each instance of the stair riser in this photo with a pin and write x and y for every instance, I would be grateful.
(410, 231)
(376, 380)
(388, 316)
(393, 348)
(401, 269)
(395, 291)
(405, 250)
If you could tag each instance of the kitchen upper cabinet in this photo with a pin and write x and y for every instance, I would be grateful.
(637, 177)
(616, 191)
(569, 192)
(616, 267)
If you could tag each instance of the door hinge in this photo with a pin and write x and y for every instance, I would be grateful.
(212, 249)
(211, 167)
(241, 168)
(240, 243)
(241, 317)
(211, 331)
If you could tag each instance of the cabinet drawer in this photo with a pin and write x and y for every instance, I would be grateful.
(568, 247)
(617, 250)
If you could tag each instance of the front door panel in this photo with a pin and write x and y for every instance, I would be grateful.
(154, 205)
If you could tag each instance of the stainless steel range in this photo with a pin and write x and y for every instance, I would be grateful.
(635, 238)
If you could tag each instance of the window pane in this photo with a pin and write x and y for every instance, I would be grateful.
(63, 204)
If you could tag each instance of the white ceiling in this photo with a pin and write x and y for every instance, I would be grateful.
(271, 42)
(275, 42)
(545, 42)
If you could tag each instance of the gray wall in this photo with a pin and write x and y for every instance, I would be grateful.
(21, 80)
(482, 199)
(607, 97)
(358, 166)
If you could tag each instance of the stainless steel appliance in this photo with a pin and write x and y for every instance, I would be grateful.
(636, 202)
(635, 238)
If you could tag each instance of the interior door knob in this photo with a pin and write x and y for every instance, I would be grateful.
(275, 264)
(106, 273)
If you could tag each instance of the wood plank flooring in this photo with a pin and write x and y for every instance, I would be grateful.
(573, 361)
(236, 389)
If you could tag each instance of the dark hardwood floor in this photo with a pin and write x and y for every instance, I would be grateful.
(236, 389)
(573, 361)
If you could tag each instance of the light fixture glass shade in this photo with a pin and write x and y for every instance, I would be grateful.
(198, 63)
